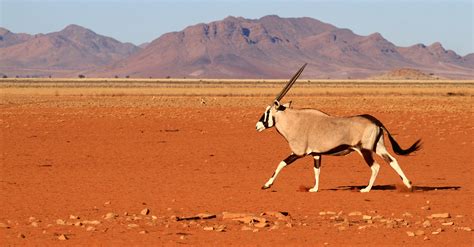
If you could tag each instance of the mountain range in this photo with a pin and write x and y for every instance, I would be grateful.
(235, 47)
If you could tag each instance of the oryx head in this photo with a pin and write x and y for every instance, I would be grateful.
(267, 120)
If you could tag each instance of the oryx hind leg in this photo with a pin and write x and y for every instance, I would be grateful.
(381, 150)
(290, 159)
(374, 167)
(317, 166)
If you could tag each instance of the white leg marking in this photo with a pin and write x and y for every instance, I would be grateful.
(272, 179)
(316, 184)
(375, 170)
(382, 152)
(316, 176)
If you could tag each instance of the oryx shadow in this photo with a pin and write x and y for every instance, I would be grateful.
(401, 188)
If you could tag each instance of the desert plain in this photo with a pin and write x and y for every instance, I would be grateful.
(167, 163)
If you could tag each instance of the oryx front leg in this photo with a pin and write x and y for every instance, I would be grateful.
(317, 166)
(290, 159)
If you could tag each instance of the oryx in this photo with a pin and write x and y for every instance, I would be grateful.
(315, 133)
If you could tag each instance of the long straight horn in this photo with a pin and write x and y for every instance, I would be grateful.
(290, 83)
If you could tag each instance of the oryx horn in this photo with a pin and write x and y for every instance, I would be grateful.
(290, 83)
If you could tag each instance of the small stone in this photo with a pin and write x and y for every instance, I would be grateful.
(246, 228)
(208, 228)
(90, 229)
(426, 223)
(145, 211)
(447, 223)
(78, 223)
(90, 222)
(182, 237)
(406, 214)
(289, 225)
(73, 217)
(153, 217)
(355, 213)
(322, 213)
(220, 228)
(143, 232)
(60, 222)
(426, 208)
(107, 203)
(62, 237)
(435, 233)
(255, 230)
(366, 217)
(419, 232)
(110, 216)
(32, 219)
(465, 228)
(34, 224)
(3, 225)
(426, 238)
(341, 228)
(441, 216)
(125, 214)
(261, 224)
(205, 216)
(274, 227)
(459, 216)
(174, 218)
(21, 235)
(251, 219)
(370, 222)
(330, 213)
(132, 225)
(410, 234)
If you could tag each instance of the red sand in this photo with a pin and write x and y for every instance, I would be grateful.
(88, 158)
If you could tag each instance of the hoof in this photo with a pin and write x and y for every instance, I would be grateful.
(266, 187)
(408, 184)
(364, 190)
(313, 190)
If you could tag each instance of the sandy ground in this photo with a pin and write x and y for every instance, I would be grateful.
(83, 168)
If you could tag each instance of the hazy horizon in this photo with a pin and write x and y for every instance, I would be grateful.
(404, 23)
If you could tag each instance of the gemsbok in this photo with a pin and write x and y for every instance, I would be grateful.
(315, 133)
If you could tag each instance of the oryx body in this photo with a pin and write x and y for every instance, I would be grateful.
(312, 132)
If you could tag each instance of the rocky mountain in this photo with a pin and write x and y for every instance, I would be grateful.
(66, 52)
(274, 47)
(235, 47)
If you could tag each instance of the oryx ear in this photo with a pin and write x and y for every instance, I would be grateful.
(287, 105)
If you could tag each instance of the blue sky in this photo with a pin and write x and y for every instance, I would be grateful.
(403, 22)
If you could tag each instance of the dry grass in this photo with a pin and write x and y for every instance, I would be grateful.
(230, 87)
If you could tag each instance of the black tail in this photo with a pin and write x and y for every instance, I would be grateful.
(395, 146)
(400, 151)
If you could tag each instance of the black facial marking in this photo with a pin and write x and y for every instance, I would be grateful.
(281, 108)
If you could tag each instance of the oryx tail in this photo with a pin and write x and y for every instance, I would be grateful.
(395, 146)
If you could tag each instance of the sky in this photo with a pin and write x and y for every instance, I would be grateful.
(403, 22)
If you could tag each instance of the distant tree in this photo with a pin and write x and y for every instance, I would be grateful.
(167, 77)
(17, 76)
(5, 76)
(127, 76)
(116, 76)
(82, 76)
(49, 76)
